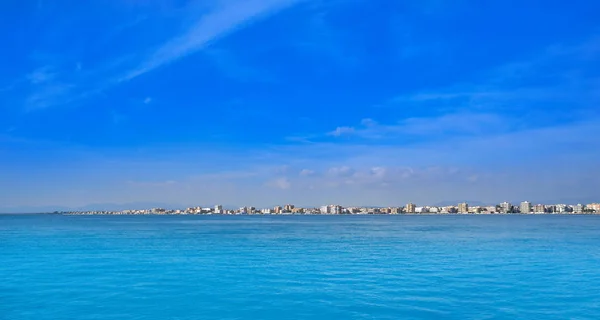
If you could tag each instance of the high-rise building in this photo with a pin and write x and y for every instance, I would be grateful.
(411, 208)
(218, 209)
(288, 207)
(539, 208)
(525, 207)
(578, 209)
(277, 209)
(335, 209)
(506, 207)
(463, 207)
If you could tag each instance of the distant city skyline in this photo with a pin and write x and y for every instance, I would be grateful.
(336, 209)
(458, 208)
(259, 102)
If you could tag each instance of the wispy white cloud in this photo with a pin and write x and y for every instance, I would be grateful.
(472, 123)
(340, 131)
(226, 175)
(363, 170)
(368, 122)
(556, 74)
(280, 183)
(52, 86)
(343, 171)
(49, 95)
(41, 75)
(152, 183)
(227, 17)
(58, 93)
(306, 172)
(535, 164)
(381, 175)
(453, 123)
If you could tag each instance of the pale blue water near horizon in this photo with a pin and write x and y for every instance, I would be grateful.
(299, 267)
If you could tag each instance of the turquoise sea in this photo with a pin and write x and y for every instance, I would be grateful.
(299, 267)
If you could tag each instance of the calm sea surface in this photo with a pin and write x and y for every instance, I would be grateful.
(299, 267)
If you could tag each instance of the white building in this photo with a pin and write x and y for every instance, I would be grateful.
(491, 209)
(539, 208)
(525, 207)
(331, 209)
(335, 209)
(561, 208)
(506, 207)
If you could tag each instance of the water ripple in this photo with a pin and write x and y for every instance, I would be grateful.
(300, 267)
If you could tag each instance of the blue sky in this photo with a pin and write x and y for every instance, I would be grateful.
(264, 102)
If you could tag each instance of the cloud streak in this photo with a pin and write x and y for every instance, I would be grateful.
(535, 165)
(444, 125)
(53, 87)
(559, 74)
(226, 18)
(41, 75)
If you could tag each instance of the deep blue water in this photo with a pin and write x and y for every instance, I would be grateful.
(299, 267)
